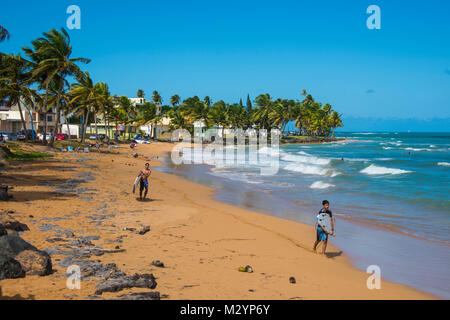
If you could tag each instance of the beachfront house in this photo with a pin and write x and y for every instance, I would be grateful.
(10, 119)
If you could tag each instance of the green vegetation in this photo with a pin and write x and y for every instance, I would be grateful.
(4, 34)
(15, 152)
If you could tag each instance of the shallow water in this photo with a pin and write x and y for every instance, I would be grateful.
(389, 192)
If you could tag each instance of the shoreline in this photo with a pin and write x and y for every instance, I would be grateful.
(201, 241)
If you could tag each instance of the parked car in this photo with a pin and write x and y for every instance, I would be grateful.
(141, 141)
(61, 136)
(101, 136)
(28, 135)
(8, 136)
(4, 136)
(41, 136)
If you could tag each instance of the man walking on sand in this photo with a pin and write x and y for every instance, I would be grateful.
(322, 234)
(145, 174)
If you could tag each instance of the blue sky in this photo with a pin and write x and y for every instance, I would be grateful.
(228, 49)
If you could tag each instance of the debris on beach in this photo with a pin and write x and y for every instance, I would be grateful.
(158, 263)
(144, 230)
(247, 269)
(292, 280)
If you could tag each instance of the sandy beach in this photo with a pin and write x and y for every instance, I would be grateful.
(202, 242)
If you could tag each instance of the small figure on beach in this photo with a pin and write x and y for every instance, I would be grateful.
(322, 232)
(144, 175)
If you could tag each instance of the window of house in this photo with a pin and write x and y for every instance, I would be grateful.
(49, 118)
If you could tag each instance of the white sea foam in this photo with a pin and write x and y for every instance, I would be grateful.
(355, 159)
(388, 148)
(311, 169)
(321, 185)
(417, 149)
(378, 170)
(306, 169)
(445, 164)
(306, 159)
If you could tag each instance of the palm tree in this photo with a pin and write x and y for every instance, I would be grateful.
(14, 77)
(261, 114)
(335, 121)
(140, 93)
(218, 115)
(177, 120)
(236, 116)
(52, 56)
(84, 95)
(4, 34)
(208, 101)
(129, 110)
(156, 98)
(102, 103)
(175, 100)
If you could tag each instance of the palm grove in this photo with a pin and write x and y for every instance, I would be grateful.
(42, 80)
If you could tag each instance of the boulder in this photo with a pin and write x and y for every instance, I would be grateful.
(36, 263)
(32, 260)
(137, 281)
(10, 268)
(8, 222)
(3, 231)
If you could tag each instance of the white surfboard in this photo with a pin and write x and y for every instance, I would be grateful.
(324, 220)
(136, 182)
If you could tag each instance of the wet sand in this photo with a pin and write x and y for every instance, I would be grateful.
(202, 242)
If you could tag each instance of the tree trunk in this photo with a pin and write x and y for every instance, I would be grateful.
(96, 127)
(85, 119)
(104, 122)
(44, 106)
(24, 124)
(55, 129)
(68, 127)
(58, 111)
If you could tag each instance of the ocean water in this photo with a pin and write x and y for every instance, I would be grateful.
(388, 191)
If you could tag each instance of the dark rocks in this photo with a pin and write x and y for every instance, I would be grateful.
(94, 269)
(35, 262)
(158, 264)
(32, 260)
(141, 296)
(56, 239)
(144, 230)
(10, 268)
(292, 280)
(137, 281)
(3, 231)
(4, 196)
(10, 223)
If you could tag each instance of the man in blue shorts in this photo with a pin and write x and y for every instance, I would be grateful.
(322, 235)
(144, 174)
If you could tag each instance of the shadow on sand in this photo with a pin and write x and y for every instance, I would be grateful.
(332, 255)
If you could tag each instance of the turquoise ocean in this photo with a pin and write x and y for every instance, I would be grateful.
(389, 192)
